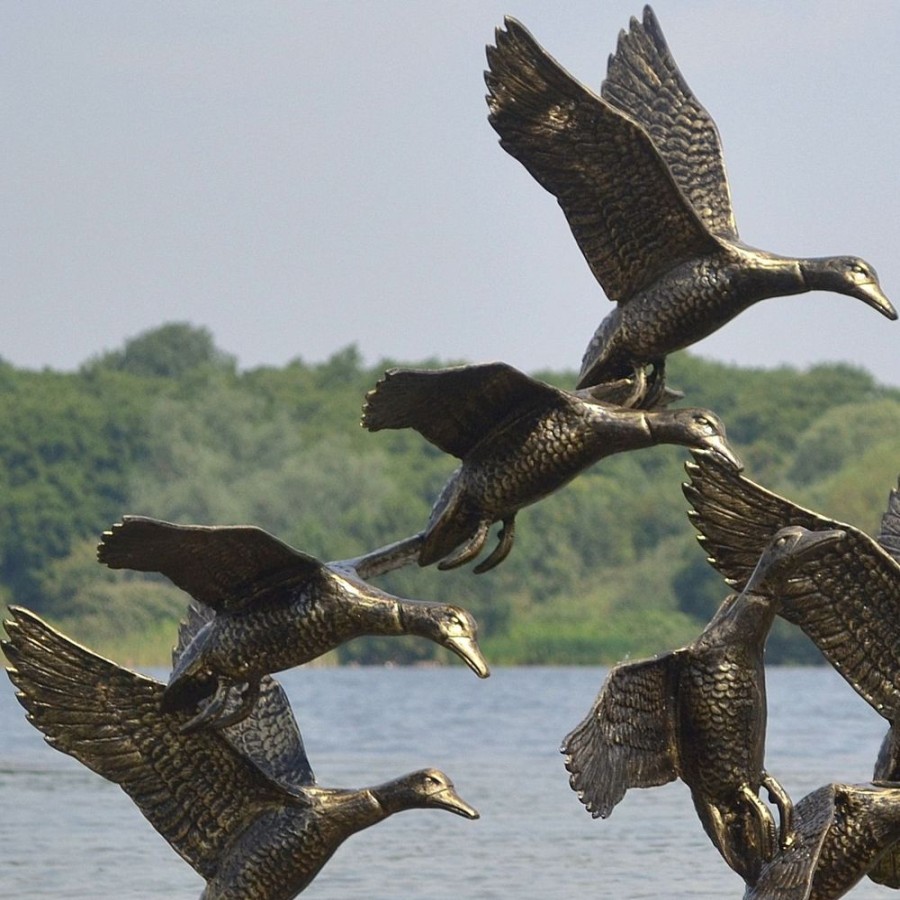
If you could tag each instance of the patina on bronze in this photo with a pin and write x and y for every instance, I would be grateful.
(639, 174)
(847, 604)
(699, 714)
(250, 830)
(841, 832)
(276, 607)
(519, 440)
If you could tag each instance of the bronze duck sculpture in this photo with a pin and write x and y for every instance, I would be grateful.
(848, 604)
(252, 836)
(841, 832)
(518, 440)
(640, 177)
(276, 607)
(699, 714)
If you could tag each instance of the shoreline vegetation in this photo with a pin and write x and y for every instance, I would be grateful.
(607, 568)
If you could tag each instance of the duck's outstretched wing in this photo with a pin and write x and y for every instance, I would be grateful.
(625, 208)
(789, 874)
(628, 738)
(847, 599)
(195, 790)
(454, 408)
(225, 567)
(269, 735)
(889, 535)
(643, 80)
(736, 518)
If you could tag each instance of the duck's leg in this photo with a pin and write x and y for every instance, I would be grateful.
(655, 385)
(765, 822)
(779, 796)
(469, 550)
(634, 400)
(221, 709)
(504, 545)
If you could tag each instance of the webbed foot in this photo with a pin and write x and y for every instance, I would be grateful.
(504, 545)
(469, 550)
(231, 702)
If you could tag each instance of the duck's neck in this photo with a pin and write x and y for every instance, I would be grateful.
(747, 616)
(774, 275)
(375, 612)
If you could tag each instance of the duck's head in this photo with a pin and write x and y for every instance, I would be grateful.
(699, 429)
(788, 548)
(450, 626)
(847, 275)
(428, 789)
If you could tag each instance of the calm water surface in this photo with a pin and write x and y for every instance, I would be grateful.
(67, 833)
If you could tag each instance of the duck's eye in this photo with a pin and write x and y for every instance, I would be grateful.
(781, 541)
(705, 425)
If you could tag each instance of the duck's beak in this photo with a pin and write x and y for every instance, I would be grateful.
(871, 294)
(719, 448)
(812, 540)
(467, 649)
(451, 801)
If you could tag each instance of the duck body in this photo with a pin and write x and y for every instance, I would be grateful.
(842, 831)
(687, 304)
(275, 608)
(518, 440)
(699, 714)
(239, 804)
(639, 173)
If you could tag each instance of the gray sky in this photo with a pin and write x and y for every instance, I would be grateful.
(301, 176)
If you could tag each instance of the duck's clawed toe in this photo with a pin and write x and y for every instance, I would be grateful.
(501, 551)
(469, 550)
(231, 703)
(779, 796)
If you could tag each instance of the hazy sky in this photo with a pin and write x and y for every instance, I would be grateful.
(301, 176)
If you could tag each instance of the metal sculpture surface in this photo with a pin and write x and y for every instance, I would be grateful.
(848, 604)
(519, 440)
(639, 174)
(841, 832)
(275, 608)
(250, 830)
(699, 714)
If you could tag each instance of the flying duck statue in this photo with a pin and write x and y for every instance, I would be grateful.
(254, 824)
(275, 606)
(640, 177)
(699, 714)
(518, 440)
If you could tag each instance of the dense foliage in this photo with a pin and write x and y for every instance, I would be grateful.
(607, 567)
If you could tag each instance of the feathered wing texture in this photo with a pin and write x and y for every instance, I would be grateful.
(736, 517)
(889, 535)
(195, 790)
(628, 738)
(269, 735)
(454, 408)
(626, 211)
(847, 599)
(789, 874)
(225, 567)
(643, 80)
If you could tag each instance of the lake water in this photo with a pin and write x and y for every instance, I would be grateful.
(67, 833)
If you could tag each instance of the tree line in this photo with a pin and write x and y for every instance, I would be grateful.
(608, 567)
